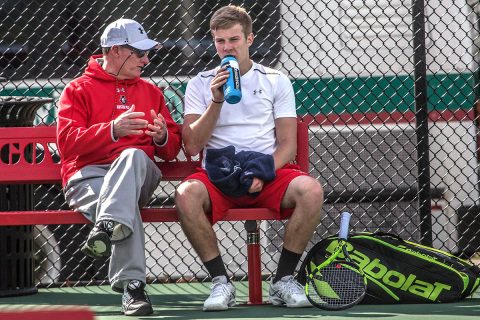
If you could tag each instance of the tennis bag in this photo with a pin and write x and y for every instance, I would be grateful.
(400, 271)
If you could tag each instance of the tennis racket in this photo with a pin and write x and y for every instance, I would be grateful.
(336, 283)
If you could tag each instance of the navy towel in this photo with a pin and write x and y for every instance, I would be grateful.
(233, 173)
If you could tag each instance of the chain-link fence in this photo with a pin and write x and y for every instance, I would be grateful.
(389, 88)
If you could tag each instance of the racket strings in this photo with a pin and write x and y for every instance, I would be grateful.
(336, 285)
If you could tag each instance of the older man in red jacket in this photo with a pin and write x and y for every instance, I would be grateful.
(111, 124)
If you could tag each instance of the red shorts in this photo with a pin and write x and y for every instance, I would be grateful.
(270, 197)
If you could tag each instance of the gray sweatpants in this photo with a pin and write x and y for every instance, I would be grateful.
(116, 192)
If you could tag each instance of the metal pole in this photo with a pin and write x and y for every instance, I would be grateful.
(476, 58)
(421, 121)
(254, 262)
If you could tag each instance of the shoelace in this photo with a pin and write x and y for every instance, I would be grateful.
(138, 295)
(293, 287)
(219, 289)
(106, 226)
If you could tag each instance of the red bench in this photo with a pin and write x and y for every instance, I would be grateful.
(19, 145)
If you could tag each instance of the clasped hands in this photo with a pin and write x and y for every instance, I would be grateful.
(132, 122)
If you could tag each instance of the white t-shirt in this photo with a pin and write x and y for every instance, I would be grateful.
(267, 94)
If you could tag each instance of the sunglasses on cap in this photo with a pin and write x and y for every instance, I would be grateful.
(139, 53)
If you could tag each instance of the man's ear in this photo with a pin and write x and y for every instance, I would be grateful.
(115, 50)
(250, 39)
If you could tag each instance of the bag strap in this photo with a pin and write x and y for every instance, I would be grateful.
(386, 234)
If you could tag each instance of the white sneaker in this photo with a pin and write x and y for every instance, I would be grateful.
(222, 296)
(288, 292)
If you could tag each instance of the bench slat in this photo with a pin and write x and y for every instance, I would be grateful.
(20, 218)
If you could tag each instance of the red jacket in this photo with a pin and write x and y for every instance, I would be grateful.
(87, 107)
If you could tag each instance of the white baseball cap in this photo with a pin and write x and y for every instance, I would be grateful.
(127, 32)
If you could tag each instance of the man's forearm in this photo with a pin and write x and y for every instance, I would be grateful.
(283, 155)
(197, 133)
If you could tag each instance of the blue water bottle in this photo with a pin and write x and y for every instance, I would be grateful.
(232, 88)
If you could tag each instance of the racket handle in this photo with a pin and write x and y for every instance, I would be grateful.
(344, 224)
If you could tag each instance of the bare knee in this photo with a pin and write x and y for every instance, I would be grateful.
(307, 193)
(312, 191)
(191, 197)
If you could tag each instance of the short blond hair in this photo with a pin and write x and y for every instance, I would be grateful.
(228, 16)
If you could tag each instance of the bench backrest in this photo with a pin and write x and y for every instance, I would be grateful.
(29, 155)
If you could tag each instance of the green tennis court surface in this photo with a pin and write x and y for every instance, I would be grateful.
(185, 300)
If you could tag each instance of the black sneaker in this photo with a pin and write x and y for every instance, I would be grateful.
(98, 243)
(135, 301)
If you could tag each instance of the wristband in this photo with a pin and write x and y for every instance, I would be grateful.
(218, 101)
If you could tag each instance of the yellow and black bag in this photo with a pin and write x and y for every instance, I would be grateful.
(400, 271)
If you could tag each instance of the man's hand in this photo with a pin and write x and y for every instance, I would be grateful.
(129, 123)
(217, 82)
(157, 130)
(257, 185)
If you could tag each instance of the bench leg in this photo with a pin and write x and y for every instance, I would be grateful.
(254, 262)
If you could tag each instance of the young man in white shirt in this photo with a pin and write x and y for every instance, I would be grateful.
(263, 121)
